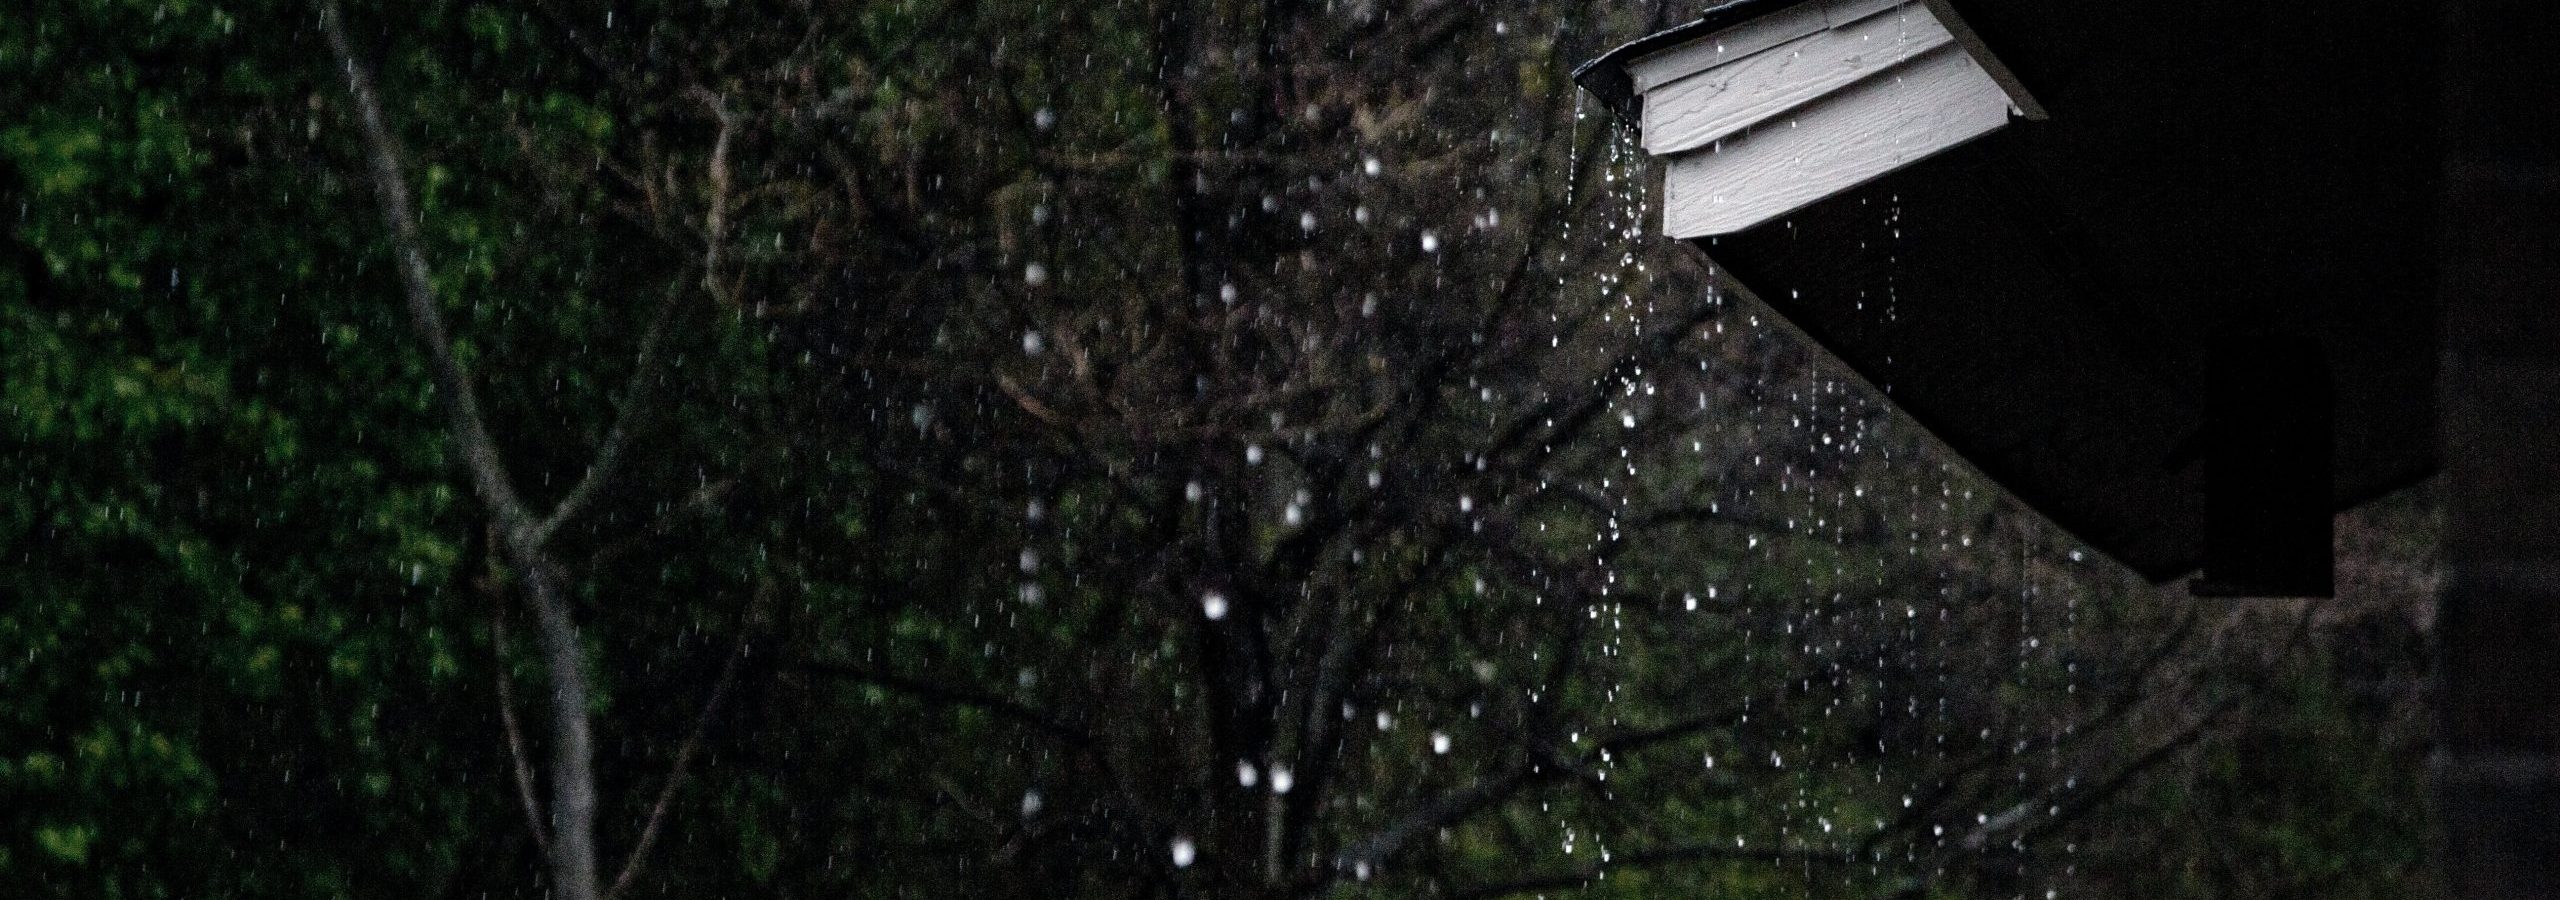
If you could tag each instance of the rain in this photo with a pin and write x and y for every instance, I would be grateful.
(910, 448)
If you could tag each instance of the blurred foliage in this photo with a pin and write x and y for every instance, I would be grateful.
(1040, 331)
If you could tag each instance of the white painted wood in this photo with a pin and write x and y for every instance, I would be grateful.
(1749, 38)
(1991, 64)
(1872, 127)
(1710, 105)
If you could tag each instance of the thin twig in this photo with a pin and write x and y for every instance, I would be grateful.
(692, 742)
(633, 409)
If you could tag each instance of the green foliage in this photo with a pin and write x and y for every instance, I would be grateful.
(246, 595)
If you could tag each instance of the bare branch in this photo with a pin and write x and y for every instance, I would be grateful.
(572, 849)
(608, 459)
(692, 742)
(515, 735)
(453, 384)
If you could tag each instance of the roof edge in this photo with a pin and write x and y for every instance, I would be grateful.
(1606, 76)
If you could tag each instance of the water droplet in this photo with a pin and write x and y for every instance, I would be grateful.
(1035, 274)
(1439, 743)
(1246, 774)
(1213, 605)
(1045, 119)
(1031, 803)
(1282, 779)
(1032, 343)
(1184, 852)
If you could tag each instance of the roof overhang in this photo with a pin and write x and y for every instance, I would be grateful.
(2186, 255)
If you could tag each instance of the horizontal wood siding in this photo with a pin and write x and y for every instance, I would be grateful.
(1749, 38)
(1711, 105)
(1836, 143)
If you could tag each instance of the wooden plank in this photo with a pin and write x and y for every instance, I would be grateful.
(1749, 38)
(1691, 112)
(1849, 138)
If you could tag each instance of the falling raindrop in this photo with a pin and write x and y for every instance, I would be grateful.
(1213, 605)
(1184, 852)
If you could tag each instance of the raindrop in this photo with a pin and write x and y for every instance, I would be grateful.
(1372, 167)
(1430, 242)
(1032, 343)
(1184, 852)
(1035, 274)
(1253, 454)
(1246, 774)
(1282, 779)
(1045, 119)
(1031, 804)
(1307, 222)
(1213, 605)
(1439, 743)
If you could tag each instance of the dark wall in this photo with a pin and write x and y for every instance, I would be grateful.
(2498, 780)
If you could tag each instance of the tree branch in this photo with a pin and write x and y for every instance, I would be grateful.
(572, 850)
(608, 459)
(692, 742)
(453, 384)
(523, 763)
(1001, 708)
